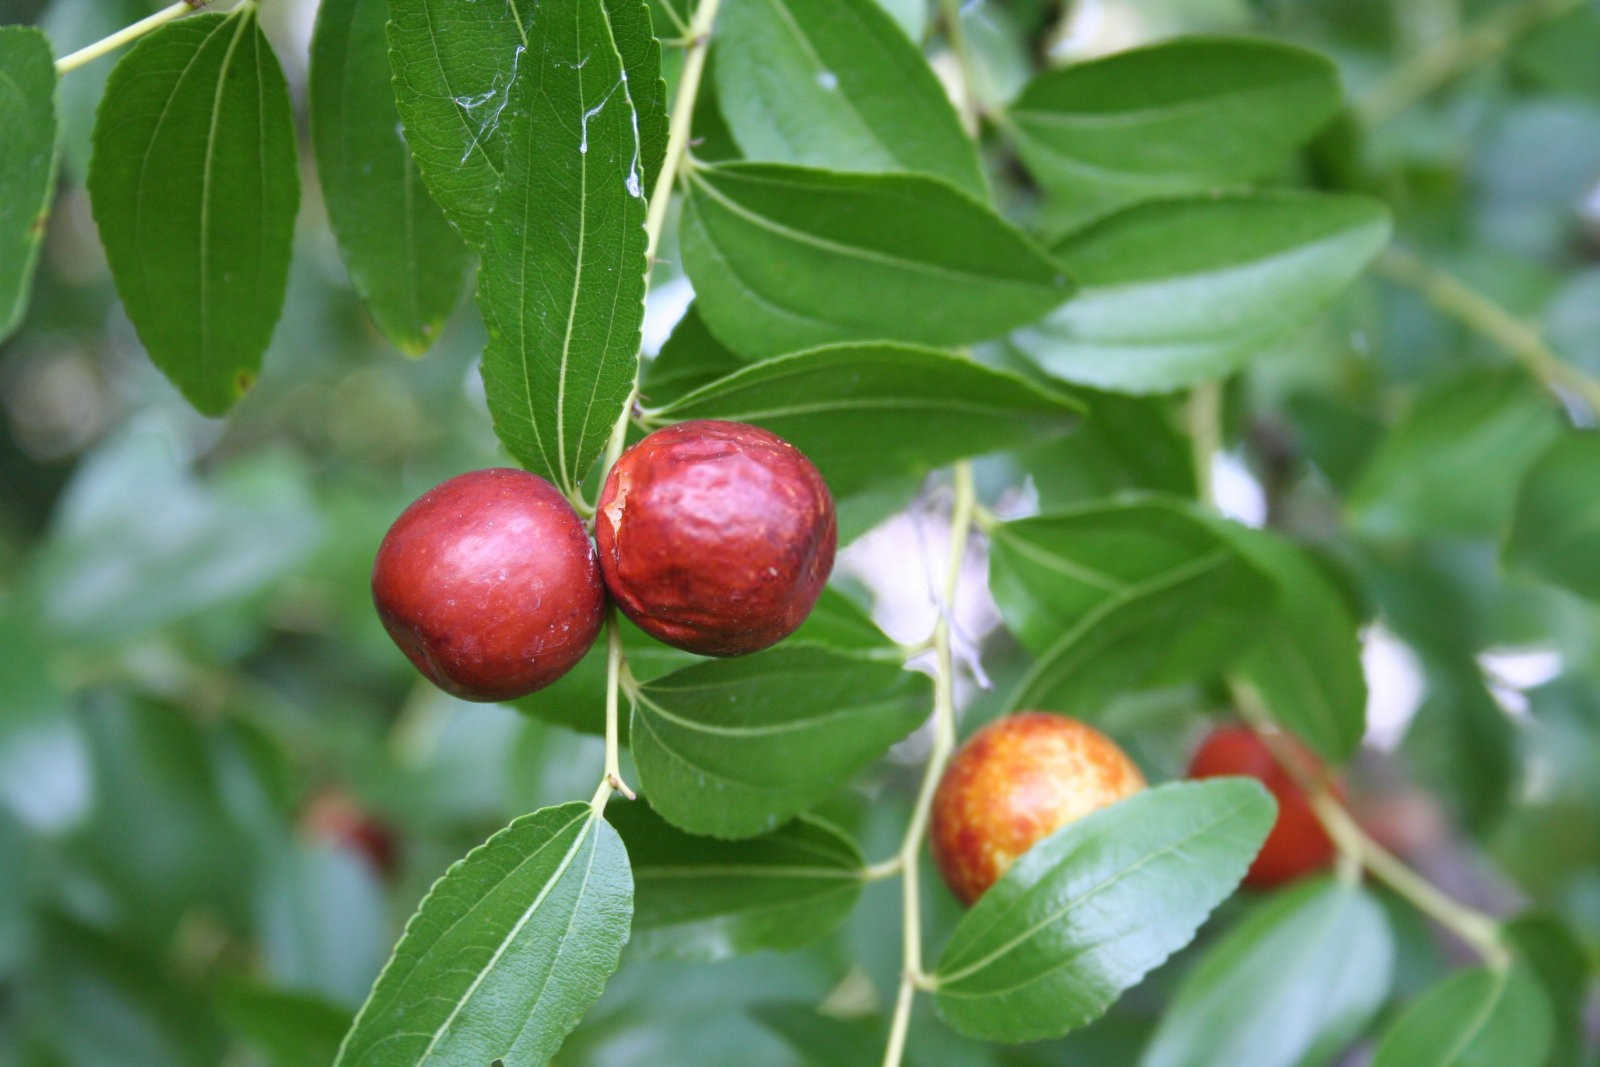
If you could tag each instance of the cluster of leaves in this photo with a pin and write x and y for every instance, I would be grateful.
(891, 294)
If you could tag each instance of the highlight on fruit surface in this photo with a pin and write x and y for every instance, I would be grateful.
(715, 537)
(1015, 782)
(489, 585)
(1297, 845)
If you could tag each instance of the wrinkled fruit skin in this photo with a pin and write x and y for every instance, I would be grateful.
(1015, 781)
(1297, 845)
(489, 585)
(715, 537)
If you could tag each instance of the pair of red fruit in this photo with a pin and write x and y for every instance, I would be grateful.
(713, 537)
(717, 538)
(1022, 777)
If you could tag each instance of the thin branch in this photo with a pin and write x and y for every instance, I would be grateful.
(74, 60)
(1480, 931)
(1475, 310)
(1452, 55)
(912, 977)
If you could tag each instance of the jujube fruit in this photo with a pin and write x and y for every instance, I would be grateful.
(1014, 782)
(715, 537)
(489, 584)
(335, 817)
(1297, 845)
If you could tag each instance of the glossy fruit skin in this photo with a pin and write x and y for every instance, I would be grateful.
(715, 537)
(1297, 845)
(1015, 781)
(489, 584)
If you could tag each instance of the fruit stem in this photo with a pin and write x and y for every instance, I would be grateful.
(912, 977)
(698, 34)
(1478, 930)
(132, 31)
(1476, 311)
(612, 779)
(1451, 55)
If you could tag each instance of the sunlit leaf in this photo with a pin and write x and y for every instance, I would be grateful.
(506, 952)
(836, 84)
(1091, 909)
(1181, 291)
(1169, 118)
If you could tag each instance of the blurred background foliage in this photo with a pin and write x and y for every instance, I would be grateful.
(222, 789)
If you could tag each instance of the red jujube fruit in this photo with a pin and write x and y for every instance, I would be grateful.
(715, 537)
(489, 584)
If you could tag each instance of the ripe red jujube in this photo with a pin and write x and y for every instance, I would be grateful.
(1014, 782)
(1297, 845)
(715, 537)
(489, 584)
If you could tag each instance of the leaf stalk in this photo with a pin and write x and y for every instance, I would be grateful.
(130, 32)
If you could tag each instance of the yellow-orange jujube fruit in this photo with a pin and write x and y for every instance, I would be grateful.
(1014, 782)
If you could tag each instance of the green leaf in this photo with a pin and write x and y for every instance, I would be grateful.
(1462, 745)
(287, 1029)
(869, 412)
(406, 261)
(506, 952)
(1182, 291)
(840, 623)
(1454, 461)
(690, 358)
(1181, 116)
(562, 283)
(1306, 665)
(1556, 959)
(28, 168)
(195, 187)
(1555, 531)
(1115, 596)
(1475, 1018)
(454, 62)
(1291, 984)
(1091, 909)
(836, 84)
(784, 258)
(1124, 442)
(640, 51)
(699, 898)
(732, 748)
